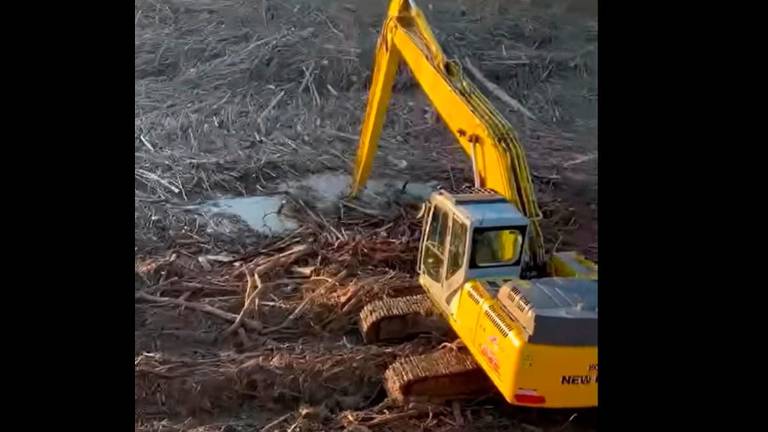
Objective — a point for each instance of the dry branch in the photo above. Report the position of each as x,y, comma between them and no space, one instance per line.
151,176
275,422
321,220
250,297
284,259
369,212
389,418
226,316
270,106
146,143
580,159
358,291
496,90
301,306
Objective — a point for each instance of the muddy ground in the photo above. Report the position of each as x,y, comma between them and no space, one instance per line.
246,117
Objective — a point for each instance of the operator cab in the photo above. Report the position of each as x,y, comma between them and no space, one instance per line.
472,234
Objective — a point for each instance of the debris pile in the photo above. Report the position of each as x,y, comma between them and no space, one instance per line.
311,283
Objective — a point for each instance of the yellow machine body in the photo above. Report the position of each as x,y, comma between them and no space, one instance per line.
524,373
470,299
528,374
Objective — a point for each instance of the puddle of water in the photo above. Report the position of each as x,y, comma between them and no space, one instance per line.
261,212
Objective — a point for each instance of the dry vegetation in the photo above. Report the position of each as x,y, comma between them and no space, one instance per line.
235,330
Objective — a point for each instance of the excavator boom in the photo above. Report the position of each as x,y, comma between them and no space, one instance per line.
532,338
498,159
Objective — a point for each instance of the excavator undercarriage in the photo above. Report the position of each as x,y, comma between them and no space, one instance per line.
447,374
397,319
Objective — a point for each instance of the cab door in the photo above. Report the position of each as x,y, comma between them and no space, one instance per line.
442,265
433,251
456,262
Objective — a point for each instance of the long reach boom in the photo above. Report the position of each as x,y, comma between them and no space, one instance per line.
498,159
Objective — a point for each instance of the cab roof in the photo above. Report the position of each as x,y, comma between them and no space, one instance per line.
483,207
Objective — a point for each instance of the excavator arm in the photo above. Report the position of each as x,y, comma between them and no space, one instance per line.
498,159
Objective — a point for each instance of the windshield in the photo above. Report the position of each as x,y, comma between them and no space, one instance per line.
496,246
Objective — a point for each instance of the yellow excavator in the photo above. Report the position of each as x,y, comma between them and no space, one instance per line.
527,323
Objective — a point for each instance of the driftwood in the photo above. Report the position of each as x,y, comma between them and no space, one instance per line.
251,296
389,418
226,316
283,259
269,426
303,304
496,90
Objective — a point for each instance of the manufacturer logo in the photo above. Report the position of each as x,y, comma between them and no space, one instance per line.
589,378
489,350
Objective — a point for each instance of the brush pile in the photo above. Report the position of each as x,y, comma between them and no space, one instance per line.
227,94
311,283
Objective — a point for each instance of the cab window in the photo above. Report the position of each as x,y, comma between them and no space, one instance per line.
496,247
434,247
456,247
